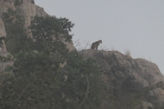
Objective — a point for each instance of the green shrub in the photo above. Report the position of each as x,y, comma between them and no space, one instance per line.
38,81
51,27
18,2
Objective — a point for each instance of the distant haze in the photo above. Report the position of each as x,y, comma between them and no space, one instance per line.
134,25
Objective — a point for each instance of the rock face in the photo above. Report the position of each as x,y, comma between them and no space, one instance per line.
27,10
129,81
2,28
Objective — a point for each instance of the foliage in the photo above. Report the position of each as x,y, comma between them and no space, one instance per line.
85,81
51,27
38,81
37,84
18,2
6,58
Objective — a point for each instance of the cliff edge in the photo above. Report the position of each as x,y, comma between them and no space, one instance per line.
41,69
127,78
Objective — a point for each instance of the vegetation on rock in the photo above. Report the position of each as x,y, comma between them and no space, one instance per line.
46,75
37,80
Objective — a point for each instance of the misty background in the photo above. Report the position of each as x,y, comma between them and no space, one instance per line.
134,25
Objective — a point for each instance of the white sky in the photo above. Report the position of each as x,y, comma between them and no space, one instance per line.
134,25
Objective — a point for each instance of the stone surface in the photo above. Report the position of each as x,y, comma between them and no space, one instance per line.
2,28
129,77
28,10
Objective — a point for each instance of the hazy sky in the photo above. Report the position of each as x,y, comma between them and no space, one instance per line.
134,25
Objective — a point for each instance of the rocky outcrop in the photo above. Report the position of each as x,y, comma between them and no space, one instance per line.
129,83
125,77
30,10
27,9
2,28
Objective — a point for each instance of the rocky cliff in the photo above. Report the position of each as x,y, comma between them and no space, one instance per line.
26,8
127,78
41,69
21,13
